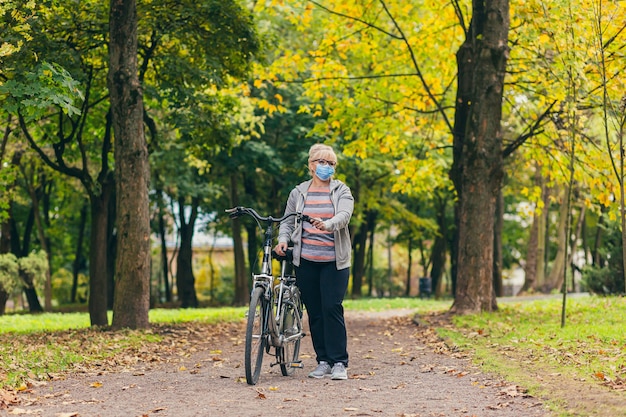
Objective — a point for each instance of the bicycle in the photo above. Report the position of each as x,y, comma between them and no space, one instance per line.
274,317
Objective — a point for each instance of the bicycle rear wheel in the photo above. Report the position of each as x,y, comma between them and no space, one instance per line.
288,354
256,339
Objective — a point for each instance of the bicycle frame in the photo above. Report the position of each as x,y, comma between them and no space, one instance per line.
274,317
273,294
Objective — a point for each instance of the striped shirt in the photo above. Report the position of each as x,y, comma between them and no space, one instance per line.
318,245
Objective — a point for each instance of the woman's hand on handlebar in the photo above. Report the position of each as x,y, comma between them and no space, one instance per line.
281,248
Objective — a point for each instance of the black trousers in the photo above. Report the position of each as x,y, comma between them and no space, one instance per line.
323,289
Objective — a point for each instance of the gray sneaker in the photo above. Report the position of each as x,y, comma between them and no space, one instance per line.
339,371
323,369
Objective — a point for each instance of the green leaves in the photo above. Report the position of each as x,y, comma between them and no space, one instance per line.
35,265
35,93
9,278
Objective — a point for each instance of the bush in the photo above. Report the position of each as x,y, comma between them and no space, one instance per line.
9,273
62,282
603,281
608,277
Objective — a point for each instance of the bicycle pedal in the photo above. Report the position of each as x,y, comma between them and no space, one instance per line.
297,364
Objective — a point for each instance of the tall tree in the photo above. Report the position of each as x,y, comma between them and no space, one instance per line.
132,172
477,169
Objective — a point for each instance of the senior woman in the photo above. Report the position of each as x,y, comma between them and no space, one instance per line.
322,254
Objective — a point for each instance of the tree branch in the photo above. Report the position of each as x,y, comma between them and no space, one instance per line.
418,69
59,165
519,141
356,19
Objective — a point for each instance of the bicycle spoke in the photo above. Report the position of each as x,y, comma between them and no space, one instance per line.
288,354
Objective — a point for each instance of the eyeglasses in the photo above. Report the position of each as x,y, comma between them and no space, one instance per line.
325,162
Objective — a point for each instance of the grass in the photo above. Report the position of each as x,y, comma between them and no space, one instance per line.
525,343
51,322
592,344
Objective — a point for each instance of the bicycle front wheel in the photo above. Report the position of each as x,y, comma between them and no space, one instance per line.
256,339
288,354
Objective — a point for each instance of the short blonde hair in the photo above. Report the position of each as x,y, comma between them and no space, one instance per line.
321,151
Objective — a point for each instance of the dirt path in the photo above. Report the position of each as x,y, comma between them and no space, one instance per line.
394,371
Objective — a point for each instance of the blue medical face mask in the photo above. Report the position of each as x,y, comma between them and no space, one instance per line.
324,172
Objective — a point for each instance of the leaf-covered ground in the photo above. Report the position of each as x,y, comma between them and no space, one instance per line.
397,368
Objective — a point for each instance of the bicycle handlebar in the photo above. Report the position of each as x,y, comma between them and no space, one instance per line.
240,211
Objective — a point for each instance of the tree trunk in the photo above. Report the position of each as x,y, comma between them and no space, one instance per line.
34,306
389,261
438,252
252,231
5,230
407,291
574,244
532,255
185,280
241,288
596,256
555,280
358,265
98,259
371,231
21,250
4,297
164,261
79,257
543,239
111,236
370,263
497,246
253,250
132,172
5,247
438,255
43,241
477,149
454,248
530,267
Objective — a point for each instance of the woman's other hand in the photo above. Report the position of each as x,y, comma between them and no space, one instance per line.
318,224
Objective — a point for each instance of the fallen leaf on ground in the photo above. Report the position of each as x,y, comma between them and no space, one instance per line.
513,391
7,398
498,406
